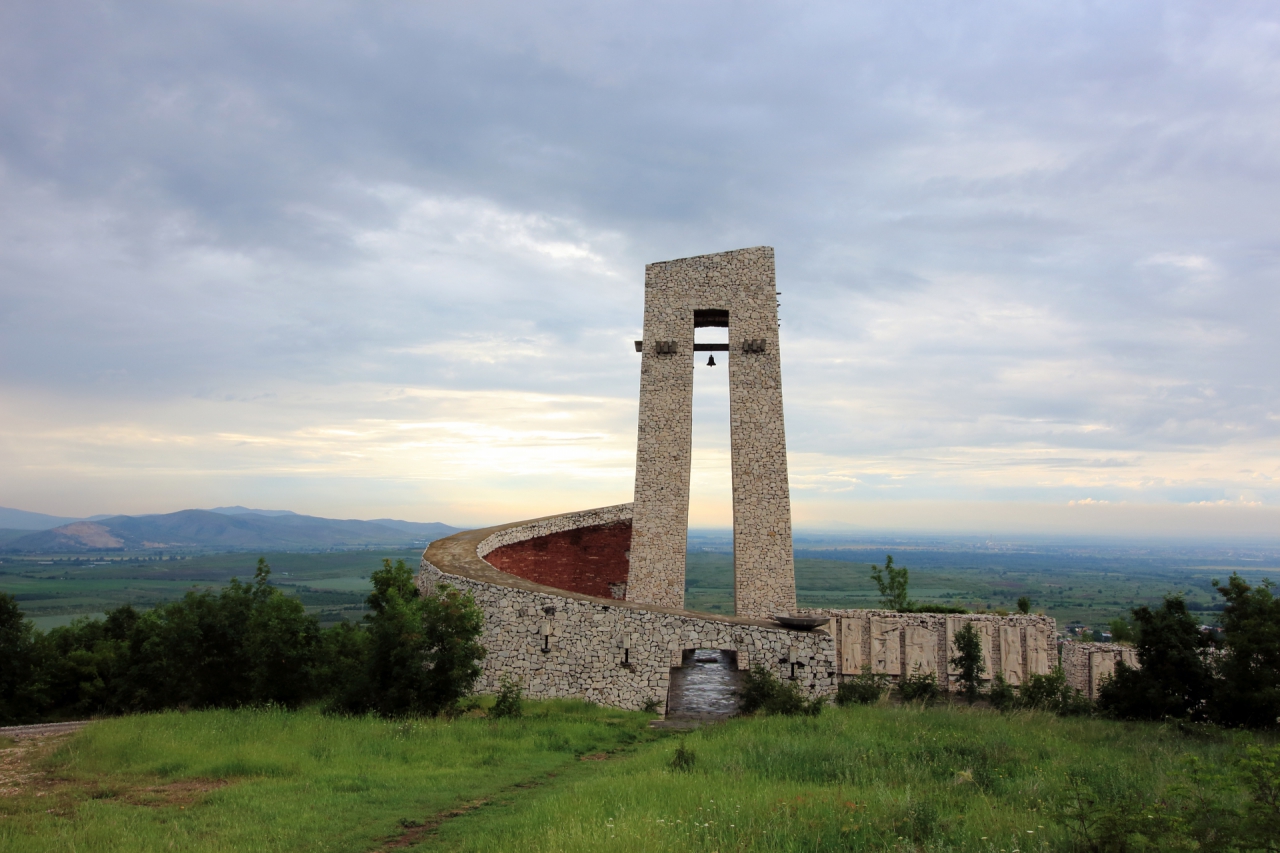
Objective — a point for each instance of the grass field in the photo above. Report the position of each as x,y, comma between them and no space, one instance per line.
275,780
571,777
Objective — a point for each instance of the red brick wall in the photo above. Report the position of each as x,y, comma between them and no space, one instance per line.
585,560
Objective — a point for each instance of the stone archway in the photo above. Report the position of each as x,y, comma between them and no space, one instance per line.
702,687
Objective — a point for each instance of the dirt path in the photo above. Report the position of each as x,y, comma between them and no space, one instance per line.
26,786
416,833
42,729
18,774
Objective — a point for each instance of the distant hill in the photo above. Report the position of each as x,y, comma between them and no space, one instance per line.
18,519
243,510
206,530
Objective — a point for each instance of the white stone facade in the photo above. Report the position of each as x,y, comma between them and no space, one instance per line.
736,289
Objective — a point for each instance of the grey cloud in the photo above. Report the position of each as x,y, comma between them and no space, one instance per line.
190,190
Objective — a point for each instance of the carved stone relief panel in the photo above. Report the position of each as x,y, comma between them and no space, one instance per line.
954,624
922,650
1011,654
886,653
1102,665
1038,645
851,646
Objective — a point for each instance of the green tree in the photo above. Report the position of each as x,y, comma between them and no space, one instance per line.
1024,604
280,644
968,659
342,667
1123,630
246,644
424,651
892,582
1174,679
22,694
1248,689
85,663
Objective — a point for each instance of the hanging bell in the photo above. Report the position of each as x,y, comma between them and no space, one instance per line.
711,361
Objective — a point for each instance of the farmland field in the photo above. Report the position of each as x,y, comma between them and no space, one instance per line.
54,590
1092,588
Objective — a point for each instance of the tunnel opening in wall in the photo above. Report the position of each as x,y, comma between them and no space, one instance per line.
705,685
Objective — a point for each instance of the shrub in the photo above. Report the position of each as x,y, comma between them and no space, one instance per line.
762,691
1260,769
919,686
508,704
1024,604
1232,806
1050,692
865,688
684,758
1001,695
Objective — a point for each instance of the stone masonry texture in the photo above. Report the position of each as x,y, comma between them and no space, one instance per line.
740,287
563,643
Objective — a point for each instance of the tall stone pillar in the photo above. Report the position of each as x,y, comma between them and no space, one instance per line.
737,290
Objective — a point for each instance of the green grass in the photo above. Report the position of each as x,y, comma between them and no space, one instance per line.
875,778
297,781
864,778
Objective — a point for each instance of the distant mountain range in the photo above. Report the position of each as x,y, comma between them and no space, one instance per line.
220,529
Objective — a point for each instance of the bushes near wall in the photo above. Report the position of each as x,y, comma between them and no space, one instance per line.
246,644
1231,677
763,692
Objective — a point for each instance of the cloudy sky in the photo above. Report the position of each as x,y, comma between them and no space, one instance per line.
366,259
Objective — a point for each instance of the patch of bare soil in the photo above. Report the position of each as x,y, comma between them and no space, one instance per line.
27,786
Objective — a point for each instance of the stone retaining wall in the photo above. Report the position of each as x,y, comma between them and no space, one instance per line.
1088,664
897,644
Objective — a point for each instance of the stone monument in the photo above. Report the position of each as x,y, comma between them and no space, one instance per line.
734,290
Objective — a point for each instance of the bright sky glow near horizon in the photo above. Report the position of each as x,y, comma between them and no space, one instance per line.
365,260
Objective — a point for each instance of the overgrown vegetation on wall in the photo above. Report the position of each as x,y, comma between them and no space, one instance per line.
246,644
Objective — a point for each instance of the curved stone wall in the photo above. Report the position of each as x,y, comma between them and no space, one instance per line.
590,560
561,643
572,643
